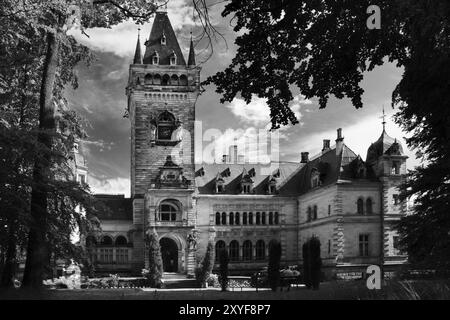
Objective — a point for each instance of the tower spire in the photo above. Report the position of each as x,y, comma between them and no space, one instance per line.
137,55
191,58
384,120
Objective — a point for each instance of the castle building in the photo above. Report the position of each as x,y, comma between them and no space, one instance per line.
350,204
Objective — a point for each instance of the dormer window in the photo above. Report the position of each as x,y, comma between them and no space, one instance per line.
246,188
315,178
155,58
173,59
163,39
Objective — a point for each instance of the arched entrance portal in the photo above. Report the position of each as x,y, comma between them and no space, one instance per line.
169,252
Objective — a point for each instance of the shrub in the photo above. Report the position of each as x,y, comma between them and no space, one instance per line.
155,266
273,269
213,280
312,263
223,269
203,272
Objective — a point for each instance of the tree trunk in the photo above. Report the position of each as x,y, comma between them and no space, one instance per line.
36,248
9,270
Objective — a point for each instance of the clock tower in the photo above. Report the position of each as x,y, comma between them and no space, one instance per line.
162,91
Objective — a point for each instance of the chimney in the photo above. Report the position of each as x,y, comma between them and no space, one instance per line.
339,141
304,157
233,154
326,145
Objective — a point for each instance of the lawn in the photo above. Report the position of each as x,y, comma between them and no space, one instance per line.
351,290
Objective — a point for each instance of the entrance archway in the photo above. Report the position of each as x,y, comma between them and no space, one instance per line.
169,252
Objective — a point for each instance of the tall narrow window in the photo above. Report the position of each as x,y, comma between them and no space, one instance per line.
231,218
277,218
315,213
360,205
364,245
236,218
270,218
263,218
224,218
329,209
369,209
329,247
250,218
217,218
258,218
244,218
309,214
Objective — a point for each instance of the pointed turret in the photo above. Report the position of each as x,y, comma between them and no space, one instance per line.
191,58
137,55
164,42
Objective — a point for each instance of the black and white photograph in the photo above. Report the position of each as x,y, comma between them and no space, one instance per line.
242,151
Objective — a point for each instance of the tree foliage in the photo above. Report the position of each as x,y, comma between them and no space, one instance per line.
206,266
223,268
312,263
273,270
155,263
323,48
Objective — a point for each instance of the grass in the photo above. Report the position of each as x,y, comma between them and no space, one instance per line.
352,290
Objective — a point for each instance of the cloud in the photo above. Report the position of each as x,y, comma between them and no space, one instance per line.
109,186
121,38
258,113
100,144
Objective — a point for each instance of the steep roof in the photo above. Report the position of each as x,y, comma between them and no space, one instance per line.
232,175
162,27
137,54
381,146
191,58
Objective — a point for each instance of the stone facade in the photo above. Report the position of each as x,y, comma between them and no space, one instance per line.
349,204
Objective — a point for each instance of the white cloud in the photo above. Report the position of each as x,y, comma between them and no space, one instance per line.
258,113
121,39
109,186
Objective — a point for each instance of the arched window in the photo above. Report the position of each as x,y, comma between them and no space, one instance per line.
173,59
270,218
236,218
106,241
220,245
174,80
315,213
260,250
250,218
247,250
169,211
231,218
183,80
369,206
148,79
166,125
309,215
258,218
277,218
217,218
244,218
263,218
121,241
395,168
91,241
163,39
234,250
157,79
224,218
360,205
155,58
165,80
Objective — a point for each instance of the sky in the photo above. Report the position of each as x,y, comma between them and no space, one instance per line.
101,100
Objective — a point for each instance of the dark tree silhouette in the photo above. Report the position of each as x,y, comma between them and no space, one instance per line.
223,269
155,263
273,269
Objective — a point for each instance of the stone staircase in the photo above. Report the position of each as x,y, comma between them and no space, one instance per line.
177,281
